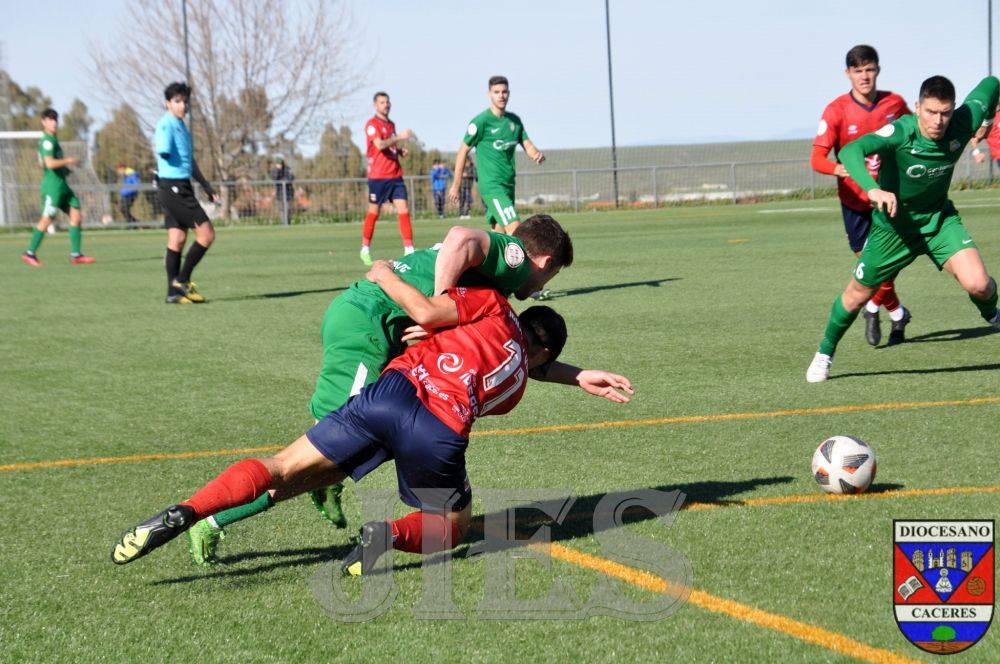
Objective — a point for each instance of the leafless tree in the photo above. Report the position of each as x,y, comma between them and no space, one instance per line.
264,72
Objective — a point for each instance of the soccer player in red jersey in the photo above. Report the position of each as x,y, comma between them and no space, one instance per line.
418,413
862,110
385,175
992,136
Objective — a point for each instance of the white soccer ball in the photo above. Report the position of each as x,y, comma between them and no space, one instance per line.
842,464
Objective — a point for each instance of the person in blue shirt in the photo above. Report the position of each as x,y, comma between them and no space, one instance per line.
128,193
175,166
439,183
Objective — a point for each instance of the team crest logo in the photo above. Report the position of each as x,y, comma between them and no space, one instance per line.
449,363
943,582
513,255
511,125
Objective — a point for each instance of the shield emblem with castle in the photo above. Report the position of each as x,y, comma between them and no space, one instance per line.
943,582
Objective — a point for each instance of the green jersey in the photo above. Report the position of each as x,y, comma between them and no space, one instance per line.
495,139
48,146
916,169
506,268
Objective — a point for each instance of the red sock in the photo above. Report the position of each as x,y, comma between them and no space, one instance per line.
410,532
369,229
241,483
405,230
886,296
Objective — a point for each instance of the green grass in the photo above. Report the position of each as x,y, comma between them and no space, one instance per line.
94,365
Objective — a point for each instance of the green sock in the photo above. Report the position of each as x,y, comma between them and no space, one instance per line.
262,504
74,240
988,307
840,320
36,240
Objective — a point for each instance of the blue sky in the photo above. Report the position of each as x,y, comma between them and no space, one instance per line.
684,72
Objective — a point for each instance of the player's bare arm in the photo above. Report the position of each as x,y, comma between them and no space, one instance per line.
52,163
603,384
438,311
383,143
463,248
463,154
534,154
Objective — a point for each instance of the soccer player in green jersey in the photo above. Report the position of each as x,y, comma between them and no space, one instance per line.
363,329
495,134
913,215
56,194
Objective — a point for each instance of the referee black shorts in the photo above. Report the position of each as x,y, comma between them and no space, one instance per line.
180,208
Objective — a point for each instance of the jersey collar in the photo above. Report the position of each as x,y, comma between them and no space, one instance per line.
878,97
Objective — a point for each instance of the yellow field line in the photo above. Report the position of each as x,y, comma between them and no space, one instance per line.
773,621
583,426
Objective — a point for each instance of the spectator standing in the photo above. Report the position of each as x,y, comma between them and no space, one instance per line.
129,192
439,183
284,191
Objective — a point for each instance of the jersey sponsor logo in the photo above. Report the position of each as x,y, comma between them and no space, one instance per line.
917,171
886,131
513,255
472,129
822,128
501,144
449,363
943,582
371,130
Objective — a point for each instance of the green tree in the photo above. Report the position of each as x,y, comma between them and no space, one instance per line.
122,141
338,156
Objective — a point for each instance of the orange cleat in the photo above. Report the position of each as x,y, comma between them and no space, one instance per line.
31,260
81,260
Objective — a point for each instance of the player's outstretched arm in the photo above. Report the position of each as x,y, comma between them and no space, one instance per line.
463,248
603,384
534,154
437,311
981,102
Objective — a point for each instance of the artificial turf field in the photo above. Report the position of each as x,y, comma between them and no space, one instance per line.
710,311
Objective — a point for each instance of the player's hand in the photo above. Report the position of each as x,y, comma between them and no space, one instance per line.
405,135
453,193
539,157
72,161
216,198
883,200
378,270
840,171
606,385
415,333
403,152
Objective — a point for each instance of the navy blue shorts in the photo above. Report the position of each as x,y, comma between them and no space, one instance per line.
387,421
856,224
380,191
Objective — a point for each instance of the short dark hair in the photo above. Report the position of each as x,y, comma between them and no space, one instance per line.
937,87
380,93
177,88
860,55
542,235
548,328
497,80
50,113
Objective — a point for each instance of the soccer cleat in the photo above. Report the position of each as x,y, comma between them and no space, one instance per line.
177,298
995,321
376,539
366,256
409,250
188,290
152,534
31,259
897,334
873,327
819,368
80,259
203,541
544,294
327,501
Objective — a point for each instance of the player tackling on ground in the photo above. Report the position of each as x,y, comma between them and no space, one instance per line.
862,110
175,166
56,194
418,413
913,215
385,175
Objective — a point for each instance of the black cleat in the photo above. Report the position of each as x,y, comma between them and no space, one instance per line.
152,534
897,334
376,539
873,328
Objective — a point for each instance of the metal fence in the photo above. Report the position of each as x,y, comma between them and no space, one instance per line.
538,189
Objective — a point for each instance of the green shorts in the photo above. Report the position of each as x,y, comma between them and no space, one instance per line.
57,196
500,209
887,252
356,348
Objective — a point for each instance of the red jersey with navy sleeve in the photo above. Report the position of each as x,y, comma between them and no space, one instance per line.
382,164
846,119
477,368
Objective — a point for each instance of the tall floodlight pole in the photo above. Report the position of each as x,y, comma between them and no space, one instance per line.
611,98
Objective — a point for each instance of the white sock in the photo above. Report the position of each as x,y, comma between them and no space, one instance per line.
212,522
871,308
897,314
365,248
